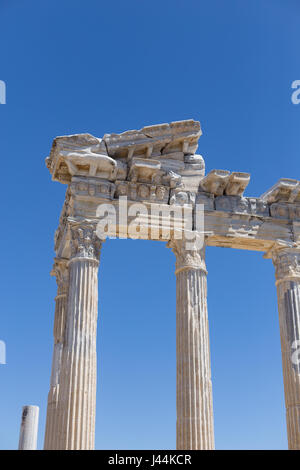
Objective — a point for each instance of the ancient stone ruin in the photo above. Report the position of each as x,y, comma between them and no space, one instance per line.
157,168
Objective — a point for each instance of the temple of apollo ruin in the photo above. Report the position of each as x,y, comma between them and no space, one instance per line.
158,167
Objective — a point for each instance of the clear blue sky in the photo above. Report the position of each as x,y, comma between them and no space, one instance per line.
89,66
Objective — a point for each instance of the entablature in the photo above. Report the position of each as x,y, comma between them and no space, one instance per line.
157,166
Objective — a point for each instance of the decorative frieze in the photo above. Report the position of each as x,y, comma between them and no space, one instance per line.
234,204
87,188
285,211
142,192
182,198
258,208
242,205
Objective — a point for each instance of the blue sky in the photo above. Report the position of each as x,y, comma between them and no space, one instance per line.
98,67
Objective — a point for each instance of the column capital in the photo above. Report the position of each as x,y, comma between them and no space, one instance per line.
188,255
287,263
84,242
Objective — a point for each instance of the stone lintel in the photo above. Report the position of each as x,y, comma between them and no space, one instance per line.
160,221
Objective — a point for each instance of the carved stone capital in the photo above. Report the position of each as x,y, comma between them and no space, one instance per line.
61,272
84,241
187,258
287,264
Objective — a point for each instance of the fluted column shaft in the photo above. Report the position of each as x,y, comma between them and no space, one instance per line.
60,270
79,361
287,264
195,428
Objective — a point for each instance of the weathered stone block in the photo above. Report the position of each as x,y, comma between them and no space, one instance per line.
207,199
234,204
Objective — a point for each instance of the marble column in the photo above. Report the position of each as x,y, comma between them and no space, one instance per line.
60,270
287,270
29,428
195,428
79,367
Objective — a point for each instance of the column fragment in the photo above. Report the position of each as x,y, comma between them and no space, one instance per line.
29,428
